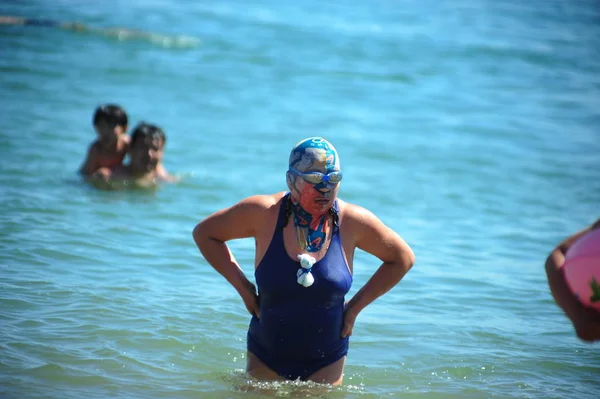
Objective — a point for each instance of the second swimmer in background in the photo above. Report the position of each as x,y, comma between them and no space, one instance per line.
145,167
112,143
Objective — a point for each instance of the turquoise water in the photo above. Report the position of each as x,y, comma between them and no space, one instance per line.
470,127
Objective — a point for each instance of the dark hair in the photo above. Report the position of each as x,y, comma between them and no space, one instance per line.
112,114
144,129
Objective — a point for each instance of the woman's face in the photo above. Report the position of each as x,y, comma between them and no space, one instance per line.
313,155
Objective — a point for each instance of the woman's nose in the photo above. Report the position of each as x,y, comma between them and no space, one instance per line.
324,188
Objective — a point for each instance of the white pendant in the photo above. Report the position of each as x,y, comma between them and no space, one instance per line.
306,261
304,276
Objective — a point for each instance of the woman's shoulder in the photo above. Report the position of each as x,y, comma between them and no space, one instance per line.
353,215
352,210
263,201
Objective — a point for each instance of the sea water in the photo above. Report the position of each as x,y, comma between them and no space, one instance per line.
468,127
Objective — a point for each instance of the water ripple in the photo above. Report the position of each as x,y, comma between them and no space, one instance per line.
472,133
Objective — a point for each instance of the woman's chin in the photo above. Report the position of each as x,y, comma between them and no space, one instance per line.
319,206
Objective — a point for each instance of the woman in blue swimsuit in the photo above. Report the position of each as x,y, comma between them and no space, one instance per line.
305,242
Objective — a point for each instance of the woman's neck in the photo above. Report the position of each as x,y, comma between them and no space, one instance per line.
311,229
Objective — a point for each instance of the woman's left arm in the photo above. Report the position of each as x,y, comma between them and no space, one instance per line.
373,236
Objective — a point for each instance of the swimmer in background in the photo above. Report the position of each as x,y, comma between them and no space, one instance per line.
112,144
585,320
145,168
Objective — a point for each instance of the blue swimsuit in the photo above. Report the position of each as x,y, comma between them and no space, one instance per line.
299,329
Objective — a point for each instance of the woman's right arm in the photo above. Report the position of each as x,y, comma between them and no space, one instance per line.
241,220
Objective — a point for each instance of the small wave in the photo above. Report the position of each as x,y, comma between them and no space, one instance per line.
166,41
121,34
241,382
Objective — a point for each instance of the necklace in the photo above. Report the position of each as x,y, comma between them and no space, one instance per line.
310,235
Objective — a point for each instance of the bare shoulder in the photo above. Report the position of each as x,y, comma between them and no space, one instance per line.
257,210
370,234
246,218
261,202
356,215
